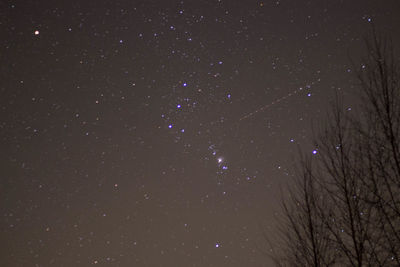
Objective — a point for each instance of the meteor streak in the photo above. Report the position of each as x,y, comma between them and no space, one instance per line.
270,104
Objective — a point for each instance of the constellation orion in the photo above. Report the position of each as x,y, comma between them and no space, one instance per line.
223,164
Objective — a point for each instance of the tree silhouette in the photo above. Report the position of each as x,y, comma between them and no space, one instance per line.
344,207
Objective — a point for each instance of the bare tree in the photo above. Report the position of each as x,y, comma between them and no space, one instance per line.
379,129
302,239
344,208
348,216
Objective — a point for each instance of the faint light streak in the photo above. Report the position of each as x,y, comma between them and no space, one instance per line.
271,104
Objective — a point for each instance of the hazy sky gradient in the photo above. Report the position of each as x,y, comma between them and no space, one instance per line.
128,129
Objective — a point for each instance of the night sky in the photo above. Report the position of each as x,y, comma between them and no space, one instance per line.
159,133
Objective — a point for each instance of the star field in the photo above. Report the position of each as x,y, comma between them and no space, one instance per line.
159,133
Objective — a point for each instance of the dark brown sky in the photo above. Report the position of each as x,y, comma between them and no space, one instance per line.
158,133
